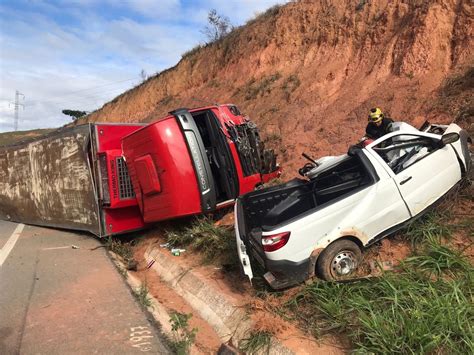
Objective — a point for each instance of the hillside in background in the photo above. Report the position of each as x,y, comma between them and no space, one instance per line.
14,137
308,72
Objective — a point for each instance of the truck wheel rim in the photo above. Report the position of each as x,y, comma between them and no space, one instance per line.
343,263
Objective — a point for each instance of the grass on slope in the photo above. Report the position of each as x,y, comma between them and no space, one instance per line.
426,307
211,241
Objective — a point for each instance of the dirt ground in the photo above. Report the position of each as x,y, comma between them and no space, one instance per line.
207,340
235,286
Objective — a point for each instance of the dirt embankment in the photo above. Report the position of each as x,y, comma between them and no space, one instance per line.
308,72
14,137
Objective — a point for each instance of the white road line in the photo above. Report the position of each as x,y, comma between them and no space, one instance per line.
7,248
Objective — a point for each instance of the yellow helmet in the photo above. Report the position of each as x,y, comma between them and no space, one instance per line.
375,115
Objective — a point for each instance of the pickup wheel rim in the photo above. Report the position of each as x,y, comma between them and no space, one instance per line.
343,264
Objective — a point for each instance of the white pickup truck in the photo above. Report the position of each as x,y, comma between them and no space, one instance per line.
319,225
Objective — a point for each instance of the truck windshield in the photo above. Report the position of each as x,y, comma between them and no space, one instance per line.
255,159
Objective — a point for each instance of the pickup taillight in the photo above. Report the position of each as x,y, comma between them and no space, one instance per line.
275,241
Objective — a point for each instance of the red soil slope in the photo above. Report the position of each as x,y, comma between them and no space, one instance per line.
308,72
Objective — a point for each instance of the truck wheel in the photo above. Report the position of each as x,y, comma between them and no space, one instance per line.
339,260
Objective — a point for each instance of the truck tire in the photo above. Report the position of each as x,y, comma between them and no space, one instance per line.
338,261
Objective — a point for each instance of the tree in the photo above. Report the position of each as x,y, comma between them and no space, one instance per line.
74,114
218,26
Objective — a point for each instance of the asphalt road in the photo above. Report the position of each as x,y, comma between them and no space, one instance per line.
55,299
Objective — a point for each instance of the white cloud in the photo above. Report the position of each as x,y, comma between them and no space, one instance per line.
154,8
69,55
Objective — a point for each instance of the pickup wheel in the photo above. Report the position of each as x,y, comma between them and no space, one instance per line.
339,260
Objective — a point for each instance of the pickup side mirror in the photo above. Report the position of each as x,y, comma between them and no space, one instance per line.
448,138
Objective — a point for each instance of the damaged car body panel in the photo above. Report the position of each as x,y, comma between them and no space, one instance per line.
358,199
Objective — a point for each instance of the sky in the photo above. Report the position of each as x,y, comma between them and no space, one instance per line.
80,54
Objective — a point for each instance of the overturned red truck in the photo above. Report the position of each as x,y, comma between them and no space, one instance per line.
115,178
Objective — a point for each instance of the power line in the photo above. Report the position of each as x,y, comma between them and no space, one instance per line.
120,90
68,101
88,89
100,86
33,102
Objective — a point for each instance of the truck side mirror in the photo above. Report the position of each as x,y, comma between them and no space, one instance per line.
448,138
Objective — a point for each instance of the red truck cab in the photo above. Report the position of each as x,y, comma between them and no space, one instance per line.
116,198
195,161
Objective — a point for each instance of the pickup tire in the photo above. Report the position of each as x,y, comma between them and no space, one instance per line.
339,260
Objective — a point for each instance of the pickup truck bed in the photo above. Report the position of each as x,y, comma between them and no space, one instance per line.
277,205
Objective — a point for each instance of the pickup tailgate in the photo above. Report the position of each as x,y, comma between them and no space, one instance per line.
261,210
240,240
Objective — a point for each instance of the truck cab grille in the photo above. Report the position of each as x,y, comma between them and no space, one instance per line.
125,184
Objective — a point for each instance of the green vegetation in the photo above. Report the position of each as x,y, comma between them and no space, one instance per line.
141,295
256,341
425,307
433,225
254,89
166,100
75,114
122,271
122,249
214,83
18,136
202,235
192,51
218,26
183,337
455,97
272,12
272,138
360,5
459,83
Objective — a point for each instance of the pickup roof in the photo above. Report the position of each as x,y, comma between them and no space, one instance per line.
318,225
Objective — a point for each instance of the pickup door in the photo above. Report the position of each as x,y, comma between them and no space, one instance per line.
422,170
